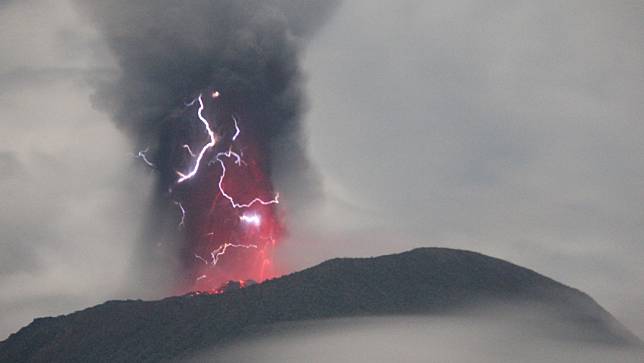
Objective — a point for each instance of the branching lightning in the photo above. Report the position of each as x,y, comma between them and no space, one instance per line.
234,204
221,251
212,106
215,254
208,146
249,218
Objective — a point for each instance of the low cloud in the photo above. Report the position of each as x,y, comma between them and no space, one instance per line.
489,337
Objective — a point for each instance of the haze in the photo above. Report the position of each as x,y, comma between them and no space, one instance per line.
493,337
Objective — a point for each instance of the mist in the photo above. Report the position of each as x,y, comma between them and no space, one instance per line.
512,335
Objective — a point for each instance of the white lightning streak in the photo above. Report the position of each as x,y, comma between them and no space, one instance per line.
237,131
230,154
251,219
215,254
201,259
183,213
141,155
208,146
187,147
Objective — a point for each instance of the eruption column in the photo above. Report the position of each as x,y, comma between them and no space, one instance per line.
251,51
244,179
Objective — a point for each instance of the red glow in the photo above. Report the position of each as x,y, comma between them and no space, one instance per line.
226,243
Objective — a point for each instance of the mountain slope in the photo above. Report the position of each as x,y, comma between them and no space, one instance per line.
427,280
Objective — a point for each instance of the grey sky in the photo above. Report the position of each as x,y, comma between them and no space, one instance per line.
71,194
509,128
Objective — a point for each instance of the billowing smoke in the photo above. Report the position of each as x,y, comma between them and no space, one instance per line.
234,64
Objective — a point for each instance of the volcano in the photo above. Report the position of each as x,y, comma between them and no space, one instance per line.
427,281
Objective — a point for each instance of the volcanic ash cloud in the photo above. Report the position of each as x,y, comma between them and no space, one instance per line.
210,94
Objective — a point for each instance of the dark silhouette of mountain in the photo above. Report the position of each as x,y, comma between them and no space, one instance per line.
423,281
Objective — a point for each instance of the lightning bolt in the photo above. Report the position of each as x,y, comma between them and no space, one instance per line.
217,253
183,213
187,147
198,156
230,154
142,155
251,219
205,148
238,159
201,259
237,131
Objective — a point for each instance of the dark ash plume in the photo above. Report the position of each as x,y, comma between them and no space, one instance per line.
169,51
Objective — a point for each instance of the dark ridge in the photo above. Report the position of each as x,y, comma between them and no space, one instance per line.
425,281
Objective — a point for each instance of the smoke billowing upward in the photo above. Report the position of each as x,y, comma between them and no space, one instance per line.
234,64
